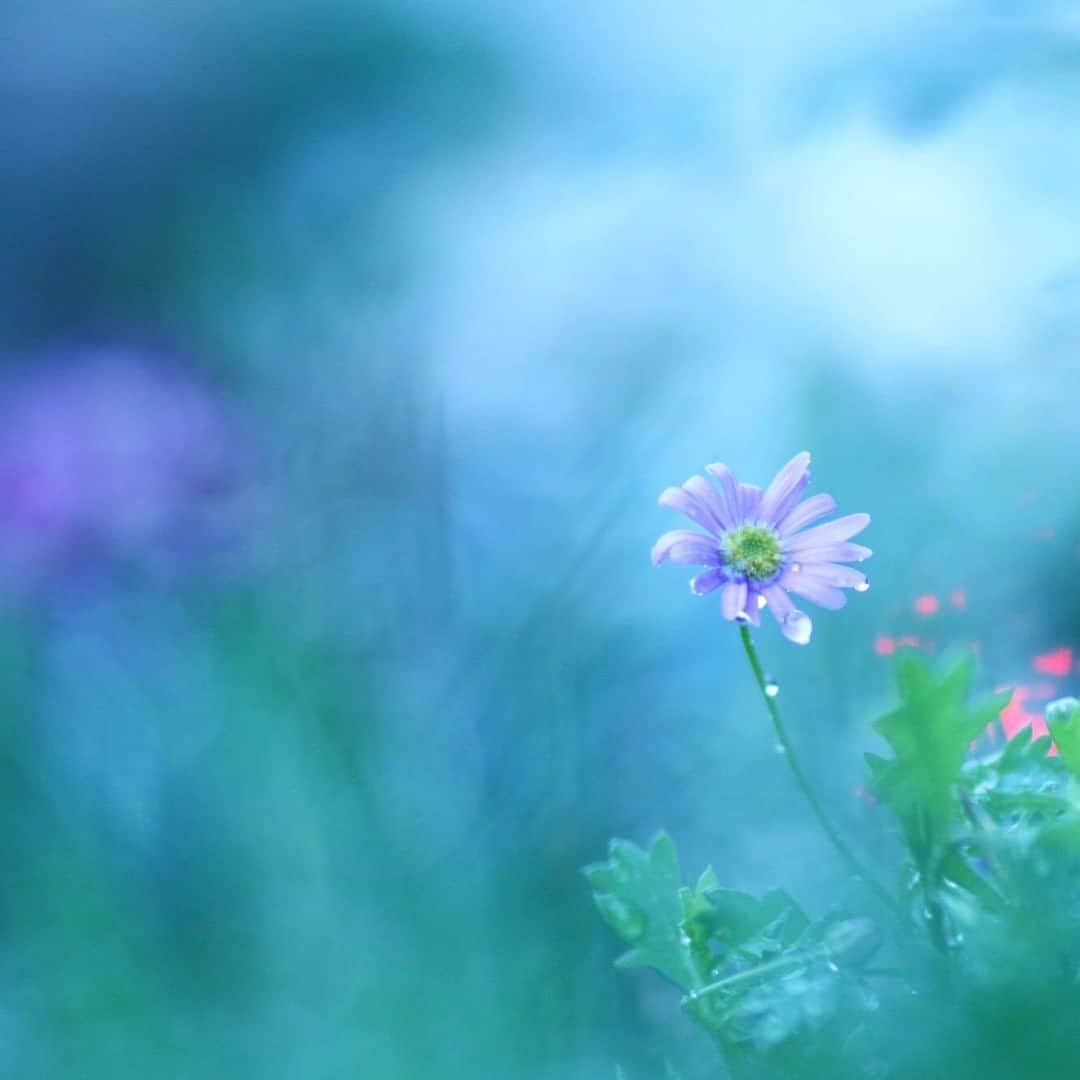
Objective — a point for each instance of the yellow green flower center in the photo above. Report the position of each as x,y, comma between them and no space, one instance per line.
752,550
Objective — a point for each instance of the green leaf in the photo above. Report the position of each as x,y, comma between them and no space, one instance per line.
697,919
786,980
1063,720
639,894
1018,781
741,922
929,733
757,974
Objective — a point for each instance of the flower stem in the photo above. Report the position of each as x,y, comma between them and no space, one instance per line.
845,853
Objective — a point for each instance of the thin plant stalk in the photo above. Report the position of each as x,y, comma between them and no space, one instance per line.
845,853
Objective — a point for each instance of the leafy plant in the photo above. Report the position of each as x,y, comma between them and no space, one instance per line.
984,953
756,973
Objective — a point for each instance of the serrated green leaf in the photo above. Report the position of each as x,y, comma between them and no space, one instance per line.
929,733
756,972
1063,720
785,998
745,922
1018,781
697,918
638,893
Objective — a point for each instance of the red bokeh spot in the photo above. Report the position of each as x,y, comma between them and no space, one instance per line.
1058,662
884,645
927,604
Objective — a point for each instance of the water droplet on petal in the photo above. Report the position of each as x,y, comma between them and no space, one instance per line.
795,567
798,627
772,688
761,601
863,586
742,618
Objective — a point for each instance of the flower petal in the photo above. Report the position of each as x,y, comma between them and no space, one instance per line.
785,489
779,602
749,502
821,594
808,510
753,607
842,577
832,532
707,581
833,553
733,599
678,498
795,624
709,497
687,547
729,490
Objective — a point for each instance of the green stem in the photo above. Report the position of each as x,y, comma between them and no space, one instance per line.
751,974
845,853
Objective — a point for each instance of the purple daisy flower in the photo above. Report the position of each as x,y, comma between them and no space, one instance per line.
758,548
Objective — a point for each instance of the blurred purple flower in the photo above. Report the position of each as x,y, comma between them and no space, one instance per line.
758,548
107,451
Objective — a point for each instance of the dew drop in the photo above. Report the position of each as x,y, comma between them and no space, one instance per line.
863,586
798,627
780,749
772,688
761,601
742,618
795,567
832,965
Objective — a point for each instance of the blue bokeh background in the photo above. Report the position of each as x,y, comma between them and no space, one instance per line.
345,349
